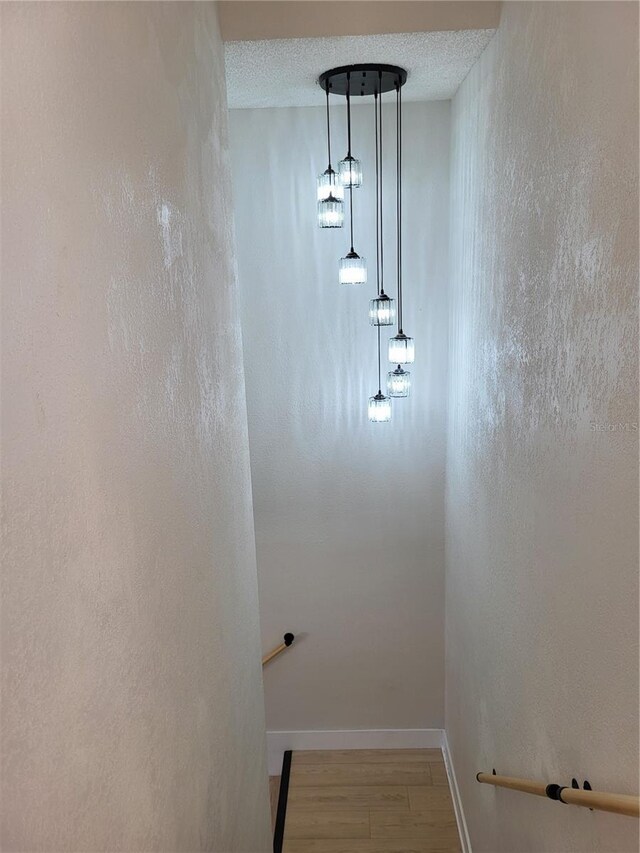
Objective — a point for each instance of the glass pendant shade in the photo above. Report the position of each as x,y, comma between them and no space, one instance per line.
401,349
353,269
379,409
331,212
329,184
398,382
350,172
382,311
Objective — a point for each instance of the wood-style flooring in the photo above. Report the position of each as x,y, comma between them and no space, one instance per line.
274,792
370,801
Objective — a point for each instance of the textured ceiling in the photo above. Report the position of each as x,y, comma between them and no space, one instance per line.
284,72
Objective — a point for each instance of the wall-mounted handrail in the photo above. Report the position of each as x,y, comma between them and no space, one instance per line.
618,803
288,639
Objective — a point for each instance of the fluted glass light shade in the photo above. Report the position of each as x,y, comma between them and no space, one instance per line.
398,382
329,184
379,409
350,172
382,311
353,269
331,212
401,349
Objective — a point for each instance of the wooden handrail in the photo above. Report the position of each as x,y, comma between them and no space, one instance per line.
625,804
288,639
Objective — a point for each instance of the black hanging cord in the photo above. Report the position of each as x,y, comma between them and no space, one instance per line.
349,156
348,114
328,129
399,197
375,112
381,208
379,250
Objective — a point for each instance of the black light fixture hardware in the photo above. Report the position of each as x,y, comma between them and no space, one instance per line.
368,78
360,81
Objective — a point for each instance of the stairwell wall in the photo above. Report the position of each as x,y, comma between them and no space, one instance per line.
132,708
349,515
542,453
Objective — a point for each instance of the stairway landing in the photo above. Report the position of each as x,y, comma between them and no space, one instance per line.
370,801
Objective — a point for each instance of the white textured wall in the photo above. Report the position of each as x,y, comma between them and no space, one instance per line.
542,510
132,710
349,515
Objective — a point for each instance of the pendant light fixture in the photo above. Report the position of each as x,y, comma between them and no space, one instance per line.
349,169
401,347
379,409
330,190
350,172
353,268
379,406
398,382
382,310
328,184
360,81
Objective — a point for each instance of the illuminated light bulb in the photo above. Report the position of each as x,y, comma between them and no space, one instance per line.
329,184
382,311
353,269
331,212
350,172
379,409
398,382
401,349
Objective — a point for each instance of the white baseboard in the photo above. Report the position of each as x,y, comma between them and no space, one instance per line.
463,832
278,742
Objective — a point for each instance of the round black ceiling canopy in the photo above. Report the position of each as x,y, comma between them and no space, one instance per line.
362,79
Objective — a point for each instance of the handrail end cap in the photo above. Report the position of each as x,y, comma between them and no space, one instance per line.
554,792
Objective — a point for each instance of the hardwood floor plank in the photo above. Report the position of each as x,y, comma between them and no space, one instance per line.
339,824
418,773
369,845
429,797
274,791
330,798
436,826
366,756
439,774
370,801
